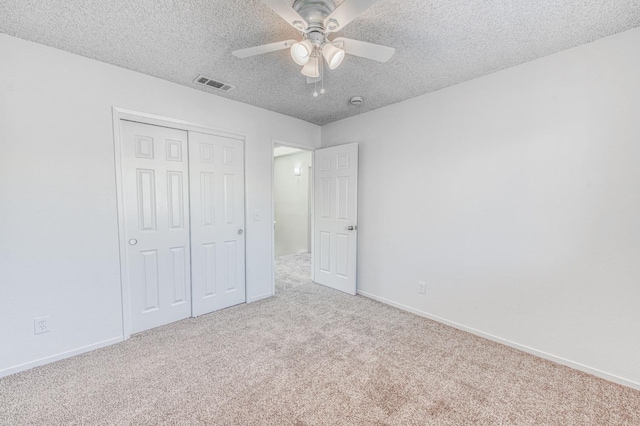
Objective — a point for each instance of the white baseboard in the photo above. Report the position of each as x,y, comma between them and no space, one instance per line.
259,297
523,348
57,357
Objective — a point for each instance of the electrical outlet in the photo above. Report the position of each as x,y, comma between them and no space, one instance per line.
422,287
41,325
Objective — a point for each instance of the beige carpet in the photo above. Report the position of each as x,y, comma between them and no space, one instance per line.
311,356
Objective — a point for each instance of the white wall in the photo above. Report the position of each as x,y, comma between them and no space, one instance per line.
58,223
291,203
516,197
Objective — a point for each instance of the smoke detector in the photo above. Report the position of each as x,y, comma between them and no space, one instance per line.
356,100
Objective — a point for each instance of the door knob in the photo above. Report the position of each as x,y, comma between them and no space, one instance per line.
240,231
350,228
133,242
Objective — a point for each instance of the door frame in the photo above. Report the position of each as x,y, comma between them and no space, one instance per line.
275,143
155,120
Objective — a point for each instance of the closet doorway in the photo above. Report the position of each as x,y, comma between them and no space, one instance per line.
181,219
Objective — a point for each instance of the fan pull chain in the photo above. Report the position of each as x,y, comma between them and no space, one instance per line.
315,88
315,81
322,75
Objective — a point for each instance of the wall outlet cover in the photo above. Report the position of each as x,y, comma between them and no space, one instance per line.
41,325
422,287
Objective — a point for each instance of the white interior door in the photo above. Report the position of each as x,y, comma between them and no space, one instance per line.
336,217
217,222
156,201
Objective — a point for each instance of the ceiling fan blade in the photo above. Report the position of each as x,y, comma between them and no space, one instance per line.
286,12
346,12
265,48
365,50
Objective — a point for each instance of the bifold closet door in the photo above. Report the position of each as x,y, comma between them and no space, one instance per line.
216,173
155,178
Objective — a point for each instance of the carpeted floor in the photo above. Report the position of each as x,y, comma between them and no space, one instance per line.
311,356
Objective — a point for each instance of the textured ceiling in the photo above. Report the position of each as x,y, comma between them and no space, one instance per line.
438,43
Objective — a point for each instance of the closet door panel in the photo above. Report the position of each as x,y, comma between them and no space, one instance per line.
155,173
217,222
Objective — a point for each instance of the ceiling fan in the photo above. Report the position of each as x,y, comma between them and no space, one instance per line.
316,19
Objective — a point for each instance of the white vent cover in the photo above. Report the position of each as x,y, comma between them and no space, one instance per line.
213,84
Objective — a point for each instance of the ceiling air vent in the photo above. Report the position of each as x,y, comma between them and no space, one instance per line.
213,84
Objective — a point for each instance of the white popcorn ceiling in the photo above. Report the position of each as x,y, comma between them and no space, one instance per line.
438,43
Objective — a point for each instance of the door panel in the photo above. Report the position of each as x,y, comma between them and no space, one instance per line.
336,183
217,222
155,194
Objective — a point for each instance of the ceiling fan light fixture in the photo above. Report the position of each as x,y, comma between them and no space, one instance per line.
332,25
333,55
301,51
311,69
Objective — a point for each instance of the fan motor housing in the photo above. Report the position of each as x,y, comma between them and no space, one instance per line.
314,11
317,37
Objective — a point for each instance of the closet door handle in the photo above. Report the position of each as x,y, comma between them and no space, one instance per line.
240,231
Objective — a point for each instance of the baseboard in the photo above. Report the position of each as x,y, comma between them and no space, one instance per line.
57,357
563,361
259,297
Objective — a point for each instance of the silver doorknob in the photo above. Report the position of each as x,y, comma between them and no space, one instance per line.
240,231
133,242
350,228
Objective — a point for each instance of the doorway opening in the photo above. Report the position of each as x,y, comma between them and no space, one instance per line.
293,215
